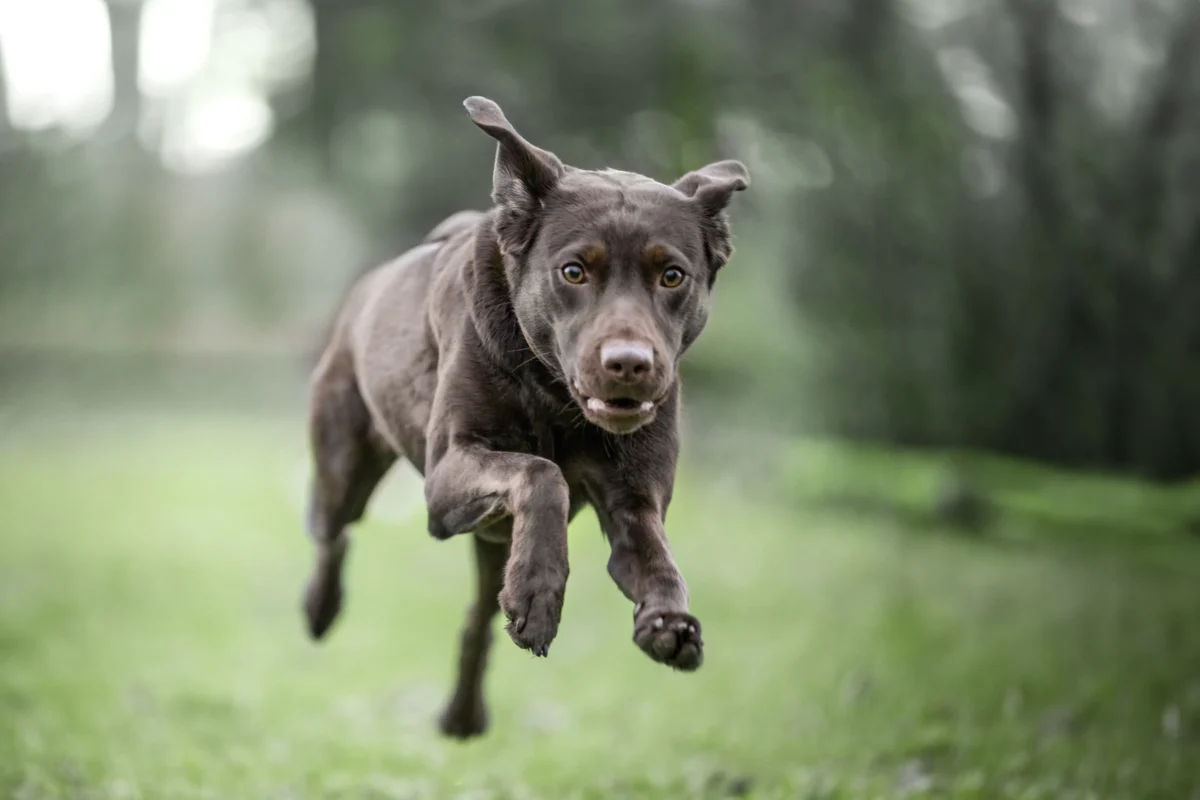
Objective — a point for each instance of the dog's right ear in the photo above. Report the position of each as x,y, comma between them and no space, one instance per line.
523,176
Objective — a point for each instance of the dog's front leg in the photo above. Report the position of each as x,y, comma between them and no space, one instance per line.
643,568
471,486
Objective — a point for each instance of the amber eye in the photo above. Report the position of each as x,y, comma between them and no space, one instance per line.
574,273
672,277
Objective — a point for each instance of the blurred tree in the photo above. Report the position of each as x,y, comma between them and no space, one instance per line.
4,125
125,24
1045,319
988,216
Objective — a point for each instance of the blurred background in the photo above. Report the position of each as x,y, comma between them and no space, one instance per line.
963,303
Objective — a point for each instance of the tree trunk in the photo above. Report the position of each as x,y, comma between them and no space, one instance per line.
125,28
5,129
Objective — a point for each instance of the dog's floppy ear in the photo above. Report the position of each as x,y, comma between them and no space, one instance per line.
711,188
522,177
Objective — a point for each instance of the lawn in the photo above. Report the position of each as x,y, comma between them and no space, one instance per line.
151,644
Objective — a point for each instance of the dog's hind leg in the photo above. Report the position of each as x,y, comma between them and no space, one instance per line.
465,715
349,460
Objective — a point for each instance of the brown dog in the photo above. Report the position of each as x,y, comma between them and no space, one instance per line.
525,361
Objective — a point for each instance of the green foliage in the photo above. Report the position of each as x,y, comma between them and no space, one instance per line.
1042,315
970,226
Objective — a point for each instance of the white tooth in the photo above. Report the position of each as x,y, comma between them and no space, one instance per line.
595,404
646,406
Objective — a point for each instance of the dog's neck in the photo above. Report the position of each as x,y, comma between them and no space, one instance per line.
495,322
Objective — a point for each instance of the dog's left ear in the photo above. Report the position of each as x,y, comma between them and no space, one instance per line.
523,176
711,188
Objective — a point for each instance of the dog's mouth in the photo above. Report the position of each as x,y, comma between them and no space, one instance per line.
616,414
618,405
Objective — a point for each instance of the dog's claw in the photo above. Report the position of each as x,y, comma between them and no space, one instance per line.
533,616
658,623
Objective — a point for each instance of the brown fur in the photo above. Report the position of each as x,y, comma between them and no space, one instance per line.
522,395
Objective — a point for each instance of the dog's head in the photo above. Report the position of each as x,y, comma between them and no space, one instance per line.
609,273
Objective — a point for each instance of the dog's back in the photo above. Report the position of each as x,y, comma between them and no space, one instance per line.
380,351
453,225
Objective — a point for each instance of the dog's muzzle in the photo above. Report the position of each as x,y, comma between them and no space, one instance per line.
621,387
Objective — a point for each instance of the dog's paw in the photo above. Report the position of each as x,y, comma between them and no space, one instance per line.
533,608
463,719
322,603
669,637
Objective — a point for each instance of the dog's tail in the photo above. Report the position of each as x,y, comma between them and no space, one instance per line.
454,224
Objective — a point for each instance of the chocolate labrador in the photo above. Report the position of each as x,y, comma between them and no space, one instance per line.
525,361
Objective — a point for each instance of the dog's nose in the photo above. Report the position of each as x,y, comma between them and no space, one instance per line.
626,360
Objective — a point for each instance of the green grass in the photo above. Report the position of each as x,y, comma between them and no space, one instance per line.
151,644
